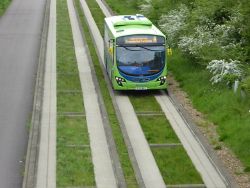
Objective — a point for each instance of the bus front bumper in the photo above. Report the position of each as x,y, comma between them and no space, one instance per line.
152,85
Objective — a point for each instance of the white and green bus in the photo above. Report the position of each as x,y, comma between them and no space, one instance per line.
134,53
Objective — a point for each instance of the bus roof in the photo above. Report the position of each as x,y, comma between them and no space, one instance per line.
130,25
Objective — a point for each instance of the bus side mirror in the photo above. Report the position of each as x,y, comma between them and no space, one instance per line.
169,51
111,50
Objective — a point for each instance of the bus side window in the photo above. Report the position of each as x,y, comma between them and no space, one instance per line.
108,44
106,38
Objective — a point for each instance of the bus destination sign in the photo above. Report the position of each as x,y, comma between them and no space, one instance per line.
136,40
140,39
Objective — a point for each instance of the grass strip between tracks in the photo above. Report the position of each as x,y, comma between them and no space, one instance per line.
3,6
118,137
174,163
74,163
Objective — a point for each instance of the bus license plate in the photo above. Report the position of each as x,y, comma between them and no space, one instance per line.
141,88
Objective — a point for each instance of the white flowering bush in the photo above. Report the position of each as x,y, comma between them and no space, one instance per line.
223,33
193,44
207,39
207,43
210,33
225,71
173,22
146,7
228,33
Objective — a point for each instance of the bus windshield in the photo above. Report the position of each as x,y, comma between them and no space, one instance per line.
140,60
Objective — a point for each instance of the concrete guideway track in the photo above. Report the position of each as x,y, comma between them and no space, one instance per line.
104,173
211,174
20,36
46,172
148,168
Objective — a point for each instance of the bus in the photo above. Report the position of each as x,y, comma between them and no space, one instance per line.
134,53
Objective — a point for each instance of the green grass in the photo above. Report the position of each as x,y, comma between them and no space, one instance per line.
70,102
123,7
175,167
126,7
72,130
156,128
118,138
3,6
220,105
149,102
79,170
74,163
68,81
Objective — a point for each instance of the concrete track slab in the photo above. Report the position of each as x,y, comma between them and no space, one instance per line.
46,174
209,172
104,172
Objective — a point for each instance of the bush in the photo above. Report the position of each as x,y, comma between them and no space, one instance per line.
146,8
205,30
245,86
225,71
173,22
212,41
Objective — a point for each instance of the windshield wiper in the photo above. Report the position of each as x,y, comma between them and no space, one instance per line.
148,48
127,48
153,70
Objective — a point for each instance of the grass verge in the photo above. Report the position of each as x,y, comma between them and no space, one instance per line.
123,7
3,6
74,163
120,144
228,111
156,128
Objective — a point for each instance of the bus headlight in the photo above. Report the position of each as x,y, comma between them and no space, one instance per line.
119,80
162,79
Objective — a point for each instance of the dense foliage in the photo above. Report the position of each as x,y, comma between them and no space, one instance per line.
207,32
